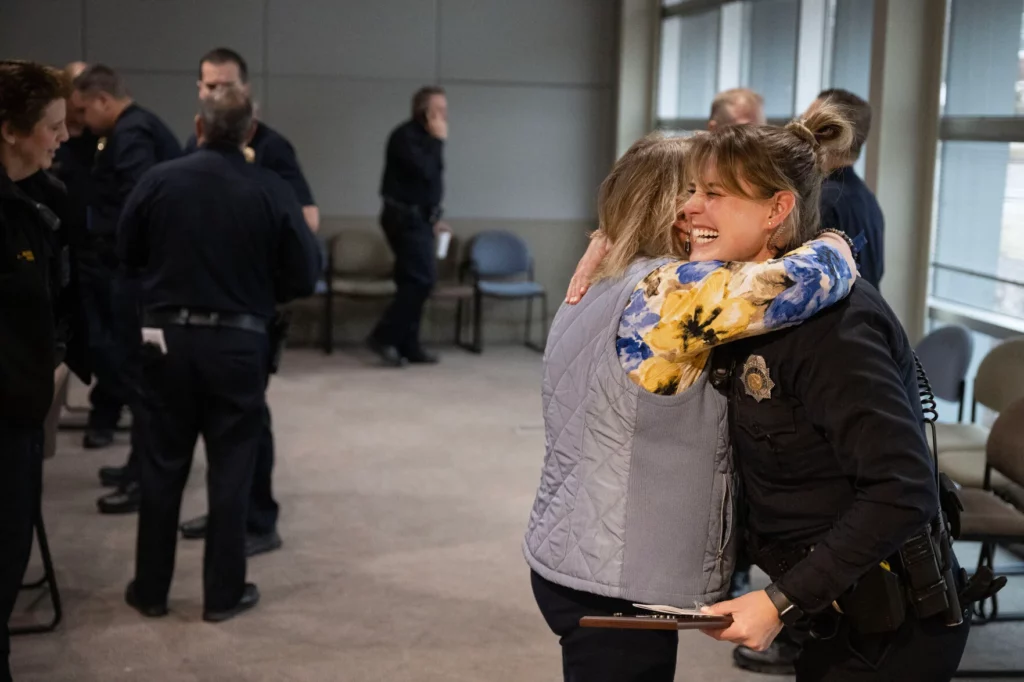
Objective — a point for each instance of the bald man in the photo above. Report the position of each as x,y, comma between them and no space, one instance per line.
73,165
738,106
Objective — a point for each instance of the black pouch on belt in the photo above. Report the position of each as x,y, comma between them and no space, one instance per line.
876,604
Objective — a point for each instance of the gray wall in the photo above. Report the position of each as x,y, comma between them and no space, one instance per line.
530,88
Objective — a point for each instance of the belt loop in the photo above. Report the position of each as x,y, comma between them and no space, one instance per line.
183,316
213,318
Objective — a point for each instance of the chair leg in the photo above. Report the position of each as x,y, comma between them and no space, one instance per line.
539,347
49,578
478,324
529,317
328,321
458,322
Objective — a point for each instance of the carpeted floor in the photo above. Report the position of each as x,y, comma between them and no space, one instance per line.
404,498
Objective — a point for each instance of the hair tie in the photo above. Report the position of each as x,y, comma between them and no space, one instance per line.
804,133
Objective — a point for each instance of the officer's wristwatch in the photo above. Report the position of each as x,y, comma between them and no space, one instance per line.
789,613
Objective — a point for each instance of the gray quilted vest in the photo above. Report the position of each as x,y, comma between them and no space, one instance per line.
636,493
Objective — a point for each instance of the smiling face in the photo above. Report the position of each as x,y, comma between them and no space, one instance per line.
36,149
725,226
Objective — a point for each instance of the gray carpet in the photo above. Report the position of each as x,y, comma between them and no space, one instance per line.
404,498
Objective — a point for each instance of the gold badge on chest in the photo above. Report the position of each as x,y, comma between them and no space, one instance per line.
756,380
250,154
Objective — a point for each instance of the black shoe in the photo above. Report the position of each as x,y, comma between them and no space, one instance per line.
113,477
132,600
777,659
124,500
261,544
740,584
94,439
389,355
420,357
250,598
194,529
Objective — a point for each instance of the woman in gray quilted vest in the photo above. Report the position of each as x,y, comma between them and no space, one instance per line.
635,502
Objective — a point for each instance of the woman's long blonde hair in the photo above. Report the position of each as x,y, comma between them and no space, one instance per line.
640,200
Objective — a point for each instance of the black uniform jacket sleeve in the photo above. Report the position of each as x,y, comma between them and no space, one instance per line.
298,255
279,156
855,391
132,243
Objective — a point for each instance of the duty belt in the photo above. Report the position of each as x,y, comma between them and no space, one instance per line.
428,213
184,317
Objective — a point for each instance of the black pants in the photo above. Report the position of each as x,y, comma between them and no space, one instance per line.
263,509
919,650
411,237
109,394
603,655
21,475
212,383
128,338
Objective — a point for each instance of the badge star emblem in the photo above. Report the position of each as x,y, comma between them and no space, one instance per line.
756,380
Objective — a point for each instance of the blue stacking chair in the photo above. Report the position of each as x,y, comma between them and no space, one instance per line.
499,265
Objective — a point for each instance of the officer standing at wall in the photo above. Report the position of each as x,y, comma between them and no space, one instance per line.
411,190
224,68
135,141
219,242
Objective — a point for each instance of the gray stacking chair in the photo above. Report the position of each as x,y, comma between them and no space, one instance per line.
499,265
946,357
961,451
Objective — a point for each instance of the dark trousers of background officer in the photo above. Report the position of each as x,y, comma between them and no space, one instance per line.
108,394
21,475
263,509
211,383
411,237
918,650
128,338
598,654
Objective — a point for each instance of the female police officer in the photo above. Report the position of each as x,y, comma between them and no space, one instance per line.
32,291
827,431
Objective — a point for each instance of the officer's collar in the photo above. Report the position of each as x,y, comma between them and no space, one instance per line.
224,148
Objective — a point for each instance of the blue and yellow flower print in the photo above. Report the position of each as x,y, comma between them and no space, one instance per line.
682,310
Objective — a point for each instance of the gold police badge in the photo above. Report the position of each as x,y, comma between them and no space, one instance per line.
250,154
756,380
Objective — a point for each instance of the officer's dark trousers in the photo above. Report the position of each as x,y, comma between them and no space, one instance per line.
128,337
21,473
108,394
263,509
211,383
919,650
603,655
411,238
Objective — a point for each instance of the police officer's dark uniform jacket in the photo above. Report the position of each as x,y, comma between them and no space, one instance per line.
829,444
219,243
40,326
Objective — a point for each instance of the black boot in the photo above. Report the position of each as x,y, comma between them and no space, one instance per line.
194,529
94,438
124,500
250,598
777,659
389,355
113,477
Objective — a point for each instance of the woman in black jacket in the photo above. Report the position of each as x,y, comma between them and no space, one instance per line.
34,325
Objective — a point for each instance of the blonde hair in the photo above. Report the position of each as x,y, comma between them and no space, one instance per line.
729,103
755,162
640,200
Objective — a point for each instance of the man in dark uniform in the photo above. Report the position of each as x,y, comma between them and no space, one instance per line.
73,166
846,202
135,141
223,68
412,189
219,242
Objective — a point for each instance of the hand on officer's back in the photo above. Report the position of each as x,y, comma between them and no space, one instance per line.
585,269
